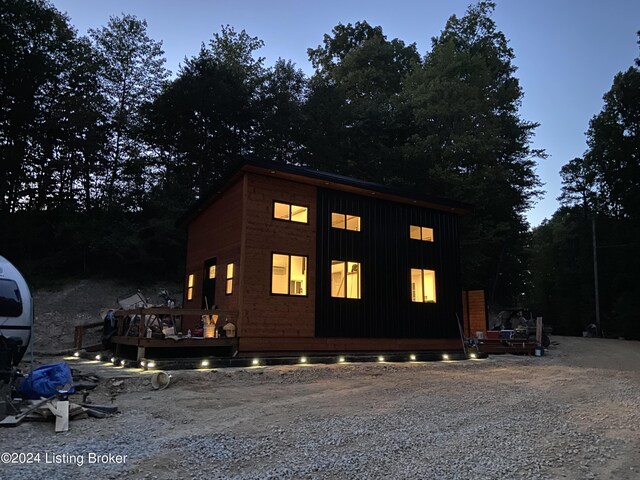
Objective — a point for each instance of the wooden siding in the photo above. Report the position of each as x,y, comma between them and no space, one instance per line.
216,232
475,313
387,254
263,314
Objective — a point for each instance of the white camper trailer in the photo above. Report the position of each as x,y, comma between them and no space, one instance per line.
16,308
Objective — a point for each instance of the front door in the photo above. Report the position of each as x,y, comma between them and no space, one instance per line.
209,284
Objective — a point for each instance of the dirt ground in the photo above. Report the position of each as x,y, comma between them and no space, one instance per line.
58,310
572,414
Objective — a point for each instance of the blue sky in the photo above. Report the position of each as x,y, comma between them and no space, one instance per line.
567,52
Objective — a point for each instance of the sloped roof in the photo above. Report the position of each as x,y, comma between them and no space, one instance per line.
322,179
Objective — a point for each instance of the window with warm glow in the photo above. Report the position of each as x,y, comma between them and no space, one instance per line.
212,272
229,286
345,222
423,285
345,279
288,274
290,213
421,233
190,282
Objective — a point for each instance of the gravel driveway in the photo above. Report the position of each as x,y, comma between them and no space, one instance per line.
574,413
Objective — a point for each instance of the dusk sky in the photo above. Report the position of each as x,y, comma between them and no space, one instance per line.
567,52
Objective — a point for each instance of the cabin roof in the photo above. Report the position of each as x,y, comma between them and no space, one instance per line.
321,179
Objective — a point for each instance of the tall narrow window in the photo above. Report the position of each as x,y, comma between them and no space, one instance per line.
190,282
288,274
290,213
423,286
229,286
421,233
345,222
212,272
345,279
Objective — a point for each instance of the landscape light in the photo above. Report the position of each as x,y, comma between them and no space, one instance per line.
303,359
151,364
381,358
412,357
255,361
76,354
123,363
341,359
98,357
142,363
204,363
445,356
113,360
473,355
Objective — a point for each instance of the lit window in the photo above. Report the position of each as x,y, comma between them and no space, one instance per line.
288,274
421,233
345,279
190,282
229,286
345,222
212,272
423,286
290,213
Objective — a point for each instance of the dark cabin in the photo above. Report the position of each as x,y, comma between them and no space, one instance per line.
311,262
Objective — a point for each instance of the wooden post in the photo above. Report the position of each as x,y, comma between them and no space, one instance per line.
539,330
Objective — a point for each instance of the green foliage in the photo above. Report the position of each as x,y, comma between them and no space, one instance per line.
114,152
605,186
131,75
355,127
468,142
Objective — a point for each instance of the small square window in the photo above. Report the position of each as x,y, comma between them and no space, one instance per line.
338,220
345,222
421,233
290,213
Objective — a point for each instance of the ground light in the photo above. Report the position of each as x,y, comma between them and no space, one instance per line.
142,363
303,359
341,359
123,363
204,363
98,357
412,357
113,360
76,354
381,358
255,362
151,364
445,356
473,355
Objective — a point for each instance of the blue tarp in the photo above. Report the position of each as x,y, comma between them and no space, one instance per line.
47,380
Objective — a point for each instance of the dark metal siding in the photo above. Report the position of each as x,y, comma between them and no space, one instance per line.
387,254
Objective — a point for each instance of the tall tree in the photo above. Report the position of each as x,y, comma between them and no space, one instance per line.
207,116
469,142
281,123
132,74
354,127
34,38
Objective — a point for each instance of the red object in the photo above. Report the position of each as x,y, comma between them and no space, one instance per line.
493,334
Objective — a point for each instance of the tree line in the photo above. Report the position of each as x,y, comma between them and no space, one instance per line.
103,149
601,195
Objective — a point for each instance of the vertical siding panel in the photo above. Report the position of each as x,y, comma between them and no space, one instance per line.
386,254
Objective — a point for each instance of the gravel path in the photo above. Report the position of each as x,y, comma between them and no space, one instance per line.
564,415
